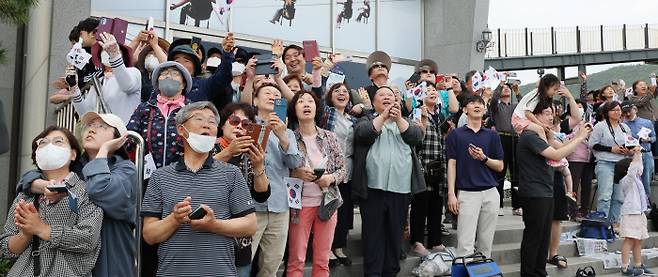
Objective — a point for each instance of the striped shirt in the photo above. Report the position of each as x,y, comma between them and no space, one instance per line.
217,184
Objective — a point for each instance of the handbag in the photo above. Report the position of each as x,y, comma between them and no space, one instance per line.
474,265
435,264
331,201
435,172
587,271
596,226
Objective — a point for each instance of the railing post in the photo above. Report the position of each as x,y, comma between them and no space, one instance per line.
526,41
602,39
646,35
532,52
623,36
499,42
577,39
552,41
505,45
139,164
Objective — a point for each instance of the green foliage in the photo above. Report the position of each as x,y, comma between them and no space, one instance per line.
3,55
628,73
16,11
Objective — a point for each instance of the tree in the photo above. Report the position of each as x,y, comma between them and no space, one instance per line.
14,12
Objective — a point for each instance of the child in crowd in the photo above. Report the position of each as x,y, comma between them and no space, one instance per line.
522,118
633,222
562,166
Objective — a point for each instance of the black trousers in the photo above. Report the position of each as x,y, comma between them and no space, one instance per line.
345,216
427,205
582,175
509,148
383,216
537,218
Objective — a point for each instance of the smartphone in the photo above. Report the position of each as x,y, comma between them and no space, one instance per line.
653,80
414,78
115,26
149,24
260,134
280,108
472,146
439,79
195,43
318,172
59,188
311,50
198,213
264,65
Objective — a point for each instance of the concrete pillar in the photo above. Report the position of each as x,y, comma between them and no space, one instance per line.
451,30
560,73
7,86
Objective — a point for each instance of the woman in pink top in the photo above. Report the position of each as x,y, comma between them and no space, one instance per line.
582,167
320,150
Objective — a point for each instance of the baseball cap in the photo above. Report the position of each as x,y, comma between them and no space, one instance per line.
108,118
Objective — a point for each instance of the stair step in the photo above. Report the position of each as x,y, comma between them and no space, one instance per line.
513,270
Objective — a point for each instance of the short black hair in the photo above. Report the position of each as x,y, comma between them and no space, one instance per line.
88,25
542,105
473,98
607,107
227,111
74,35
469,75
292,46
621,168
292,115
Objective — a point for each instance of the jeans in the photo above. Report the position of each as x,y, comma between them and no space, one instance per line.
609,196
647,173
244,271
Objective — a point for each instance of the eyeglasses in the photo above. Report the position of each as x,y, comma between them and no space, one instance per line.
246,123
378,65
171,73
199,120
57,141
427,72
341,91
96,126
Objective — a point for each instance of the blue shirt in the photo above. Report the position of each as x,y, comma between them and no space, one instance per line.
473,175
636,125
278,164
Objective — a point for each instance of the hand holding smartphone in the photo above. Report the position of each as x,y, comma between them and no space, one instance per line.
280,108
59,188
198,213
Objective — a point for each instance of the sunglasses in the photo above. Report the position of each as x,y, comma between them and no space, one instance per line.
246,123
378,65
427,72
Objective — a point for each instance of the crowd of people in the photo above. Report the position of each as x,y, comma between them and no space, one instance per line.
225,160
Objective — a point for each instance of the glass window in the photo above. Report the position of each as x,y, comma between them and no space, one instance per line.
355,25
400,28
140,9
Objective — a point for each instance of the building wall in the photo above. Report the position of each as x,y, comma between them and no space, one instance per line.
451,29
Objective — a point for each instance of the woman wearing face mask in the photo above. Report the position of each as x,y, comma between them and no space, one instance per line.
155,121
53,238
320,149
121,84
110,179
237,148
149,58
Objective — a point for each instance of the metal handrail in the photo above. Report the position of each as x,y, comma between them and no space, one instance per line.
139,163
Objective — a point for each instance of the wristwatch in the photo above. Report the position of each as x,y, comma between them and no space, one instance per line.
486,159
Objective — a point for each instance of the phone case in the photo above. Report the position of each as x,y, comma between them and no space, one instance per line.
58,188
264,65
260,134
280,108
104,26
311,50
119,30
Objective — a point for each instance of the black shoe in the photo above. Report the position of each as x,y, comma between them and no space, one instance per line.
403,256
344,260
333,263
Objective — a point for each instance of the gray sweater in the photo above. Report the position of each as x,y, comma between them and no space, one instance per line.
110,184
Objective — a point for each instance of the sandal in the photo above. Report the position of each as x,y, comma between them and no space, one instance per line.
559,261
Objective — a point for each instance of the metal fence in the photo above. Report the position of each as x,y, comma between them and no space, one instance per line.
572,40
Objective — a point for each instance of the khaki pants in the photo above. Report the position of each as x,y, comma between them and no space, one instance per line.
478,215
271,238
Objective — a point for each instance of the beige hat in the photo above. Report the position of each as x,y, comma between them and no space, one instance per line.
108,118
378,57
427,64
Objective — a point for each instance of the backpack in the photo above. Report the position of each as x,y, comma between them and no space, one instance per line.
596,226
653,215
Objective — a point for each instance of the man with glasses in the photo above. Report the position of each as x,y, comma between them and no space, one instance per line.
196,206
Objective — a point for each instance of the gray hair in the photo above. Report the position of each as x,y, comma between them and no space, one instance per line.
184,113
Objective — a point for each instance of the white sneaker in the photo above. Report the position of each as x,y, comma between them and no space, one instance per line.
501,212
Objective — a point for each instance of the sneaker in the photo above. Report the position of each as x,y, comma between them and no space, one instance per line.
518,212
419,250
647,272
501,212
631,271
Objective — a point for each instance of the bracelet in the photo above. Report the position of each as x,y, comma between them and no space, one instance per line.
260,173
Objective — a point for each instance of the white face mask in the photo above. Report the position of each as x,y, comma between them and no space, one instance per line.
200,143
51,157
150,63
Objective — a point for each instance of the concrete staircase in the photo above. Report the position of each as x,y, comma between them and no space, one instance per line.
507,242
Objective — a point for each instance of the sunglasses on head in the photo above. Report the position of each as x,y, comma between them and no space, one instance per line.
246,123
